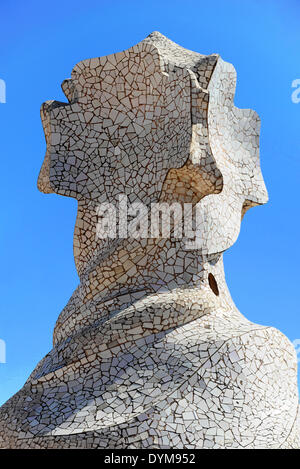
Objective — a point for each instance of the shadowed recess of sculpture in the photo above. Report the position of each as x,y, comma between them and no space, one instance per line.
151,351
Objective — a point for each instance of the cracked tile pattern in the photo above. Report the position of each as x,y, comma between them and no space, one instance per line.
151,351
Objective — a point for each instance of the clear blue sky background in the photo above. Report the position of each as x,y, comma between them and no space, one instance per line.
40,43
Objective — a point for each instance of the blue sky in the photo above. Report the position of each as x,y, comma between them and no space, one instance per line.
40,44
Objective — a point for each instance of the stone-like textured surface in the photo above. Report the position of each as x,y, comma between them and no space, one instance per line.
150,351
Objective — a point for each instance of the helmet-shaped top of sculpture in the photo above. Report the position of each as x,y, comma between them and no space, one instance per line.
135,115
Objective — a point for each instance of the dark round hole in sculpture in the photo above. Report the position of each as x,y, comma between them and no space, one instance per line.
213,284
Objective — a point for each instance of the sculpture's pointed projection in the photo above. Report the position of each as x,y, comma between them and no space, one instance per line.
150,351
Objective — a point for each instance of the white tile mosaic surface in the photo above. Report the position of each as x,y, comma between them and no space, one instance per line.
150,351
